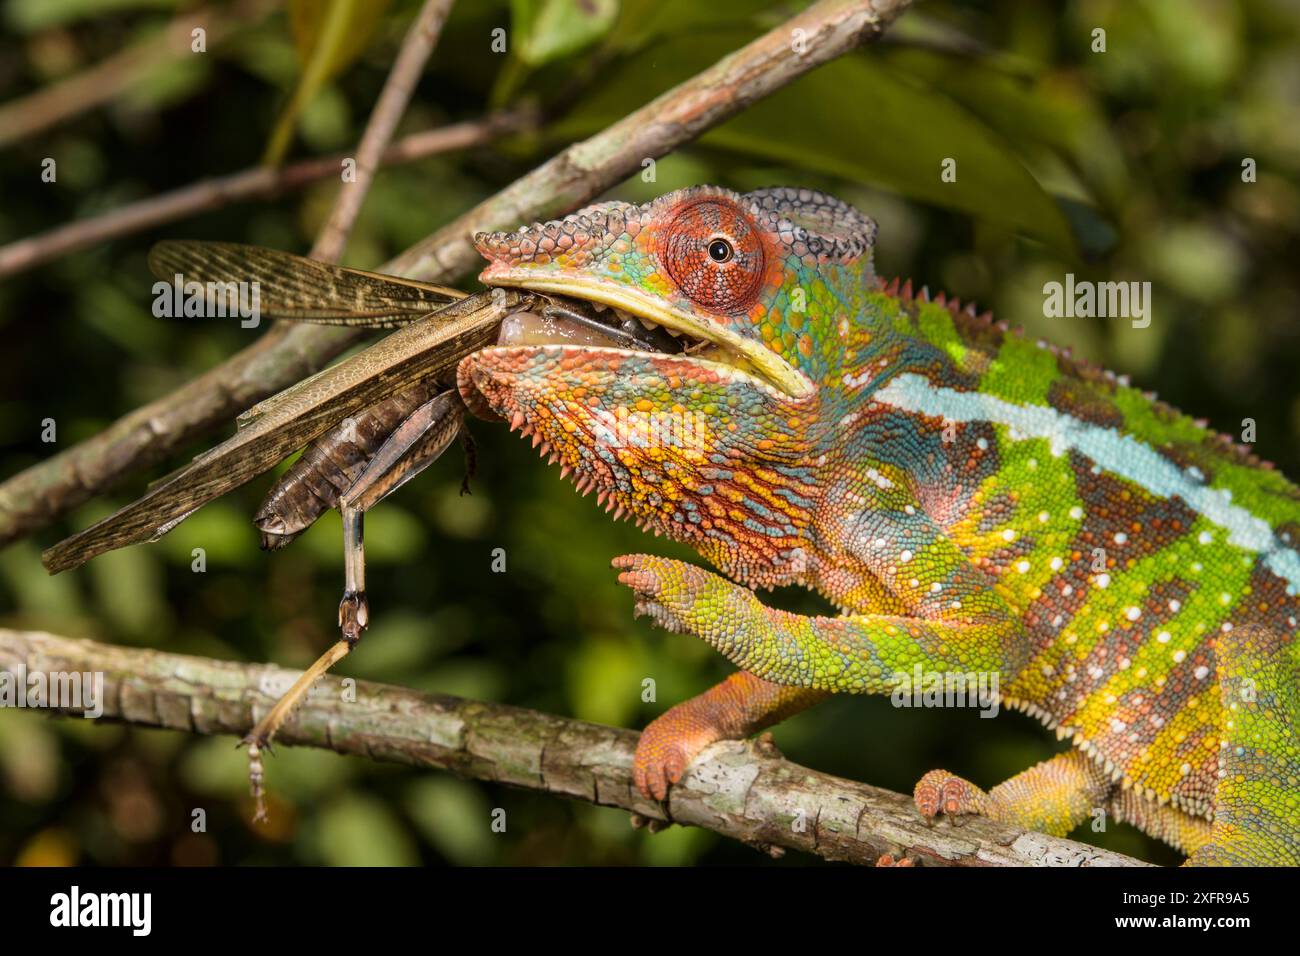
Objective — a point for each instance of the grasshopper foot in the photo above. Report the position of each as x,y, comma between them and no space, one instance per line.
256,775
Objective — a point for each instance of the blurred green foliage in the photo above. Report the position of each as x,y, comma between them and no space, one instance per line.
1123,164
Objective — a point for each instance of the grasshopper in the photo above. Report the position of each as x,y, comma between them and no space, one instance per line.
370,423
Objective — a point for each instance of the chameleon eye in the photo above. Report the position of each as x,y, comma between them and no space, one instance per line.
715,256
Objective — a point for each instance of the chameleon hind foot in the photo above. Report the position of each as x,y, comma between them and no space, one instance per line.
1052,797
940,792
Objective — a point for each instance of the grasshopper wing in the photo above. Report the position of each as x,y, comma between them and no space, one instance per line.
294,417
296,288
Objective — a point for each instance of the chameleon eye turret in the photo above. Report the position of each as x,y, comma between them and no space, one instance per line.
715,256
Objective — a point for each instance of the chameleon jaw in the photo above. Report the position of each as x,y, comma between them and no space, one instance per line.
772,370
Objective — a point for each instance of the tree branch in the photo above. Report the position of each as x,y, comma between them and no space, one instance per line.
111,77
744,791
259,182
581,172
417,45
268,181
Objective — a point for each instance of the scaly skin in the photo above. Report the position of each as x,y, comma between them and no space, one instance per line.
970,500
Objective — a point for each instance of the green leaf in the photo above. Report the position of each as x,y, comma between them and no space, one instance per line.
547,30
856,120
328,36
1034,112
641,21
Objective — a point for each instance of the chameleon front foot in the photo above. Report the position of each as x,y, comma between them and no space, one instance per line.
683,598
672,593
740,706
665,749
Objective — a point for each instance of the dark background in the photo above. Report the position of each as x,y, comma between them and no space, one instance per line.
1124,164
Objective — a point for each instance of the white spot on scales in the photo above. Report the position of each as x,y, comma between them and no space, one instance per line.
1119,454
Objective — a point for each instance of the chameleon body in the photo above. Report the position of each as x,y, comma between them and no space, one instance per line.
972,502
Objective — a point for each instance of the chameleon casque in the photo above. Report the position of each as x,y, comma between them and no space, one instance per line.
971,501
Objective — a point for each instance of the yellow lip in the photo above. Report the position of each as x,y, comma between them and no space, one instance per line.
774,368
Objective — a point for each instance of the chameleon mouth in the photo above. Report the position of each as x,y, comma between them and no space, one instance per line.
594,314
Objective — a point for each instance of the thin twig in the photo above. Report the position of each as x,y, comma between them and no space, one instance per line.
414,54
260,182
745,791
111,77
829,28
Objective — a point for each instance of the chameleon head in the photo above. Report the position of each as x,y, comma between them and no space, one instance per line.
716,439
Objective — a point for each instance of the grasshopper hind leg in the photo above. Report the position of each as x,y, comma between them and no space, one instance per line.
354,612
411,447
